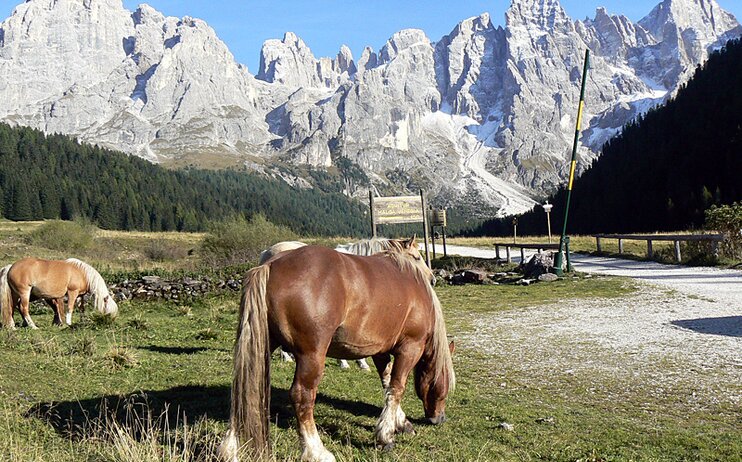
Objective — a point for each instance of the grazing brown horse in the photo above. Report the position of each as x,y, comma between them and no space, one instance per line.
316,302
32,279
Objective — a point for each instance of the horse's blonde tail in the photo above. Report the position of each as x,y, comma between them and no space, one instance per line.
6,299
250,407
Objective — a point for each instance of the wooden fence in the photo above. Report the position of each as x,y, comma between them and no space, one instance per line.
676,238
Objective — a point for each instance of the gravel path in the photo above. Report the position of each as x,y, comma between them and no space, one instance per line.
679,334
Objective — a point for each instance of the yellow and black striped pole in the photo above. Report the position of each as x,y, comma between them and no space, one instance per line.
573,163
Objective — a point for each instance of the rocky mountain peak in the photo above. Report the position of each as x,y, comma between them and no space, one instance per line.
289,62
612,35
145,14
685,30
705,17
401,41
484,117
544,14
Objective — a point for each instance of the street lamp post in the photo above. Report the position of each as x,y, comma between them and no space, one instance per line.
547,209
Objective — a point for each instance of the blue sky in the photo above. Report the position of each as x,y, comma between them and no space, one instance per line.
325,25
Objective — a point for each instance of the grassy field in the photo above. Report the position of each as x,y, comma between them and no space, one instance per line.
123,251
154,384
162,371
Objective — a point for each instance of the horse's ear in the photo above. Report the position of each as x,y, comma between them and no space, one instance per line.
410,243
452,347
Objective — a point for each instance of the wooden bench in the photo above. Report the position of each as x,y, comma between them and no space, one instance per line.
676,238
522,247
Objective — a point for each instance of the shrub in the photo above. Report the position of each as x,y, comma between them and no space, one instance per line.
63,235
119,357
207,334
164,250
236,240
84,345
728,220
101,320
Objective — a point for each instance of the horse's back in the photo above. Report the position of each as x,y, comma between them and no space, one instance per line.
52,277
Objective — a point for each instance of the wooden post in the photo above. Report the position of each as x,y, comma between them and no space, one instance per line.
371,204
649,248
522,255
677,251
620,246
497,251
432,239
597,243
507,254
443,230
425,227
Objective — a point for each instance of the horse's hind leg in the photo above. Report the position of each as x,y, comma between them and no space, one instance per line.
303,394
383,363
57,305
25,301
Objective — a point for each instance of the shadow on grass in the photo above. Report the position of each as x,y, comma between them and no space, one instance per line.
73,419
730,326
174,350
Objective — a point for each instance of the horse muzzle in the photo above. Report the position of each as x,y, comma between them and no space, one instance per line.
437,420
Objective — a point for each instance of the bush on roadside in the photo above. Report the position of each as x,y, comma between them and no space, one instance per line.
727,219
236,240
63,235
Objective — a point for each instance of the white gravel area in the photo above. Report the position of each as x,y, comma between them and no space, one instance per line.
679,334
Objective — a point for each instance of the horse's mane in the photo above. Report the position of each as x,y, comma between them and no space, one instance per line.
439,340
277,248
368,246
96,285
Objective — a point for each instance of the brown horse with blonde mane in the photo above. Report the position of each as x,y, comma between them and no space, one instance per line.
316,302
32,279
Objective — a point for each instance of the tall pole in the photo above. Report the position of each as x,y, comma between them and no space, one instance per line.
425,227
371,207
559,256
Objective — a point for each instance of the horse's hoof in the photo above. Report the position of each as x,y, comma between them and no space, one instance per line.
389,447
408,428
344,364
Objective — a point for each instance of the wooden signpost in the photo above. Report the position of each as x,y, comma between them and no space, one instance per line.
399,209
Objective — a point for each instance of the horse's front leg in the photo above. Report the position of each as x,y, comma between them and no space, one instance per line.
309,369
393,419
71,298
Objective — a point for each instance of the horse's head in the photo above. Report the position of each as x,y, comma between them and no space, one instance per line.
110,306
431,389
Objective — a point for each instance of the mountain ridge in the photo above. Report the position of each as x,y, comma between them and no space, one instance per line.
484,116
